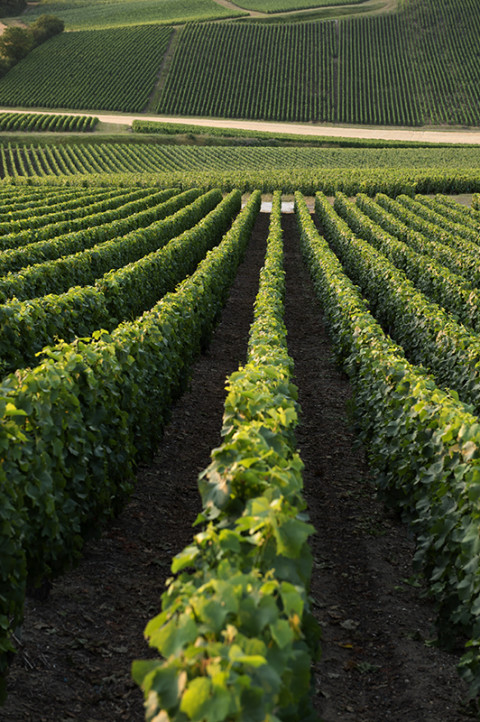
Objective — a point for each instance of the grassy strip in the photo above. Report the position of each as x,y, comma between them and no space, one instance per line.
73,427
269,138
233,630
422,441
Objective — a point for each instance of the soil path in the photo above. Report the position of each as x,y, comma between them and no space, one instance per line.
77,646
423,135
371,6
236,8
375,665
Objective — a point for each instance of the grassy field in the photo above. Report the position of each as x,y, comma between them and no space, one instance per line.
90,14
276,6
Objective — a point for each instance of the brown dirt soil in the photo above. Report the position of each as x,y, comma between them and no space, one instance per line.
77,646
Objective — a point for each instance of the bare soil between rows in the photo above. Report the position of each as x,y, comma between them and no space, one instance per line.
77,646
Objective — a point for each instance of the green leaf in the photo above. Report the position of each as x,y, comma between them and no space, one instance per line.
184,559
291,535
196,698
174,635
282,633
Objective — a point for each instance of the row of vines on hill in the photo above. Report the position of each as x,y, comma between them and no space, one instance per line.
396,170
411,68
276,73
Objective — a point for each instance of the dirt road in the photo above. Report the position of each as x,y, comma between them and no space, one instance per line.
425,135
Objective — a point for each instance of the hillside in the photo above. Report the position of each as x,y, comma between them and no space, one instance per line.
414,67
240,366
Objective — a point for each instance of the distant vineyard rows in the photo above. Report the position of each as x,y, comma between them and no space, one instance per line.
394,170
41,122
418,66
413,68
94,69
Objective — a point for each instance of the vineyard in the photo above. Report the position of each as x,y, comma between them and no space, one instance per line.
101,14
240,371
417,66
87,70
391,69
398,170
132,280
38,122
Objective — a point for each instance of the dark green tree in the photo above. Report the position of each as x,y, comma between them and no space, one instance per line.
15,43
11,7
45,27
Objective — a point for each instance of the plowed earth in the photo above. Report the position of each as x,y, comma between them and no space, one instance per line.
77,646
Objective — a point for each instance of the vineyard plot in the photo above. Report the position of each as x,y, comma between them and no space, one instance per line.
126,546
103,69
418,66
101,14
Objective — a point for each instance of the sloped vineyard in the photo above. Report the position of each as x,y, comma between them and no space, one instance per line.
102,69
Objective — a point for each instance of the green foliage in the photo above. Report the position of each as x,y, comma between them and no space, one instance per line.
97,14
45,27
41,122
233,627
422,440
86,70
15,43
73,426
